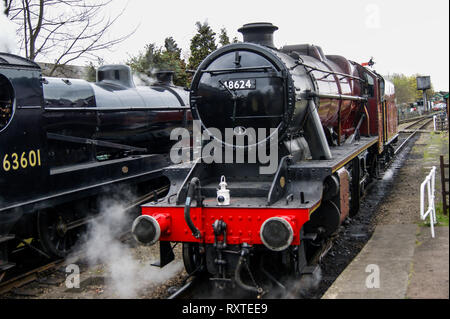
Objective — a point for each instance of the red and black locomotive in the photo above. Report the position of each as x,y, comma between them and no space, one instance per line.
332,123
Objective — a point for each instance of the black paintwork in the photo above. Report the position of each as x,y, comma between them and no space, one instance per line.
269,105
66,120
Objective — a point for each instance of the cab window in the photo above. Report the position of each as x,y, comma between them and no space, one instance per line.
368,85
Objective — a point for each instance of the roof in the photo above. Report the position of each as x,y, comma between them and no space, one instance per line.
15,60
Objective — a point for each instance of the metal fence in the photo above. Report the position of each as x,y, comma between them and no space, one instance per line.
428,185
404,114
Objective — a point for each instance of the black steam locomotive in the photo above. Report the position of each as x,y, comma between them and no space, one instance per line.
329,124
64,141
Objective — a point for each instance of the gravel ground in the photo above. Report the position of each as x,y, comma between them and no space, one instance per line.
392,200
402,205
97,281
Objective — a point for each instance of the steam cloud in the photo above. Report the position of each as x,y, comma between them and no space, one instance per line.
126,276
305,287
389,174
142,79
7,33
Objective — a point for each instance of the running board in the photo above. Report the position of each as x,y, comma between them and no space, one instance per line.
80,140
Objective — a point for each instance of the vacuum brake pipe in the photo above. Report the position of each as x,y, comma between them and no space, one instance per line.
193,186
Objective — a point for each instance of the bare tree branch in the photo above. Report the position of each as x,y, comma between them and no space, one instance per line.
66,30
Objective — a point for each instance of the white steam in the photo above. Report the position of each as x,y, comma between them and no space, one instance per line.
388,174
305,287
126,276
7,33
141,79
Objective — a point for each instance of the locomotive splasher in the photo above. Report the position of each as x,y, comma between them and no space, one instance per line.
335,121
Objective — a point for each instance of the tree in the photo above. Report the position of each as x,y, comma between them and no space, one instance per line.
66,30
406,88
158,58
171,46
91,73
202,44
223,37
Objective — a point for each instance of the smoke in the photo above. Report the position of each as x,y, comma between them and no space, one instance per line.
8,33
141,79
304,287
388,174
125,275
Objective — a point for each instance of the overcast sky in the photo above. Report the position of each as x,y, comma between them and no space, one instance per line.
403,36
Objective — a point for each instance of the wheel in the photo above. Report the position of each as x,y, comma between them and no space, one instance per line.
192,258
58,231
326,218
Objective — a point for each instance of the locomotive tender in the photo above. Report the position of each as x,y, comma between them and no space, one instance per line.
336,121
64,141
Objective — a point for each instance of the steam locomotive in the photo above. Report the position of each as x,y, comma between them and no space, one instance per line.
65,141
331,124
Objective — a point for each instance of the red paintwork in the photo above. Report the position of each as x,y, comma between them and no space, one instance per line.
165,223
391,111
243,224
343,115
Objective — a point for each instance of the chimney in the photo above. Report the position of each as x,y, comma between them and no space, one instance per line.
259,33
165,77
115,74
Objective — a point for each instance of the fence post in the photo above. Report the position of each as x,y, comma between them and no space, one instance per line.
443,182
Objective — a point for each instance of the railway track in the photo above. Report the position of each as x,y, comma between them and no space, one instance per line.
30,275
412,130
187,289
417,118
191,285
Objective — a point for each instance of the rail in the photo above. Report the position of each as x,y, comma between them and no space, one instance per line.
428,184
427,120
402,118
185,291
22,279
28,277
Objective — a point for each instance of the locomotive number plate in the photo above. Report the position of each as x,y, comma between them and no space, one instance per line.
22,160
244,84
